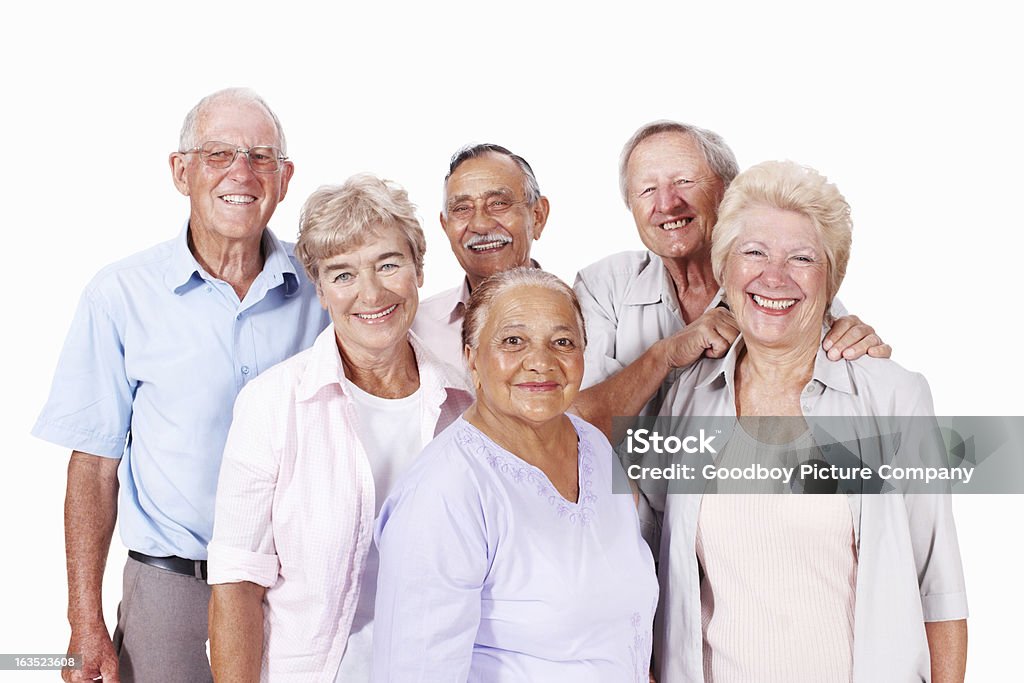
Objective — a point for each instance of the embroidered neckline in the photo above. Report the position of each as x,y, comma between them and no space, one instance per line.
523,473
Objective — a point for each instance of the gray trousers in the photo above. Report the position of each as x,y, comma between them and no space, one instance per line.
162,627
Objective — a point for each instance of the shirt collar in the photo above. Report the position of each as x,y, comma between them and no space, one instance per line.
832,374
183,264
460,299
654,285
277,267
650,285
325,368
720,369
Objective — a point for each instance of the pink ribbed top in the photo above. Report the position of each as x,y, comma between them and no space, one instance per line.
777,596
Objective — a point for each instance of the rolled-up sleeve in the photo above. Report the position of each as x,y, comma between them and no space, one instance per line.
243,547
933,534
433,561
937,557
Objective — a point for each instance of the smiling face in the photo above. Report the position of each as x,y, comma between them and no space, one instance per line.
673,195
776,278
372,294
500,228
231,203
528,364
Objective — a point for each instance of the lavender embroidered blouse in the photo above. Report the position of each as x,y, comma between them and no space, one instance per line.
487,573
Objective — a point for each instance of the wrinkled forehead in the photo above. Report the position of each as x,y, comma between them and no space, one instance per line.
237,121
533,306
483,175
374,239
667,153
777,227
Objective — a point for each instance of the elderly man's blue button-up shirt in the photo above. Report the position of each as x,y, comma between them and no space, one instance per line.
157,352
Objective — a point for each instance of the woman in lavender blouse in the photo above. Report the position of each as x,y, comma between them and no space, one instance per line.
505,556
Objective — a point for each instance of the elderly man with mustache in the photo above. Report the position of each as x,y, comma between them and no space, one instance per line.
493,211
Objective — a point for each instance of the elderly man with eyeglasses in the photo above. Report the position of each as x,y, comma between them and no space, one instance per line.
161,344
493,211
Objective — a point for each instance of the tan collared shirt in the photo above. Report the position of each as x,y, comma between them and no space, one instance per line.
629,302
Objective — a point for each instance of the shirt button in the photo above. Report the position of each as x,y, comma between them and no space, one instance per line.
245,369
809,389
209,289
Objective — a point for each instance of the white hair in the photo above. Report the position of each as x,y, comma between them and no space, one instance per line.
190,128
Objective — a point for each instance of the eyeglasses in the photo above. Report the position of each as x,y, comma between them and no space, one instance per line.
262,159
494,205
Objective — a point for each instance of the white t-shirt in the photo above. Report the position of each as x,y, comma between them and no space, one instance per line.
389,429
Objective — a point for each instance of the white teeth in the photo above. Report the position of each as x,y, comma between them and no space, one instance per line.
238,198
674,225
374,316
774,304
483,246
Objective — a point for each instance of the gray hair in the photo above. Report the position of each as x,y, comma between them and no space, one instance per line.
190,128
788,186
463,154
337,218
717,154
484,295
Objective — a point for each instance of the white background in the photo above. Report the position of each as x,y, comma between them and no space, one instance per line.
911,108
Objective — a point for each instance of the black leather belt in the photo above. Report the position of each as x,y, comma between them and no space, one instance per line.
178,565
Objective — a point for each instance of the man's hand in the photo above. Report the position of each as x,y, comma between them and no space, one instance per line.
710,335
850,338
98,657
